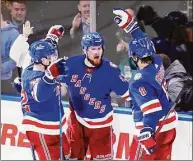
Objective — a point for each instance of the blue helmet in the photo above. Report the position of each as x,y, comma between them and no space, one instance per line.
142,47
41,49
92,39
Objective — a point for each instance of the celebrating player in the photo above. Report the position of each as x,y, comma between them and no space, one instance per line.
40,102
90,81
20,49
147,89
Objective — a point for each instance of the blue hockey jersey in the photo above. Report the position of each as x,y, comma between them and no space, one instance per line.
90,88
40,103
149,94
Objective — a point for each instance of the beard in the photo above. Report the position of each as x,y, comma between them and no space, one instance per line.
96,61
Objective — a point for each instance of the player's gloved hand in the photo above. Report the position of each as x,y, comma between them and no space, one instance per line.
125,19
147,14
55,33
146,139
17,84
56,68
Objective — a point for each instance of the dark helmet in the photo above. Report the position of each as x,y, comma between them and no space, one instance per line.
179,18
174,23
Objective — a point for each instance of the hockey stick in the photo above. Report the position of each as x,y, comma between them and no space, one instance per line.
33,152
140,152
60,118
111,137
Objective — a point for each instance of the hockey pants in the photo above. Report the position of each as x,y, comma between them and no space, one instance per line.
48,146
80,137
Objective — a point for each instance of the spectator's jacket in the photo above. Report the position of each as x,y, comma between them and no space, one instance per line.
8,36
174,78
20,53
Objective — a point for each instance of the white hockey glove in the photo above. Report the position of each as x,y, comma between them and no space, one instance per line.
125,19
146,139
55,33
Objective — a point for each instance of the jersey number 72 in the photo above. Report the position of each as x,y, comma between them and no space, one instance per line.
24,101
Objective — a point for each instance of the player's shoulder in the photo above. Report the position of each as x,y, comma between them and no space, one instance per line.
74,59
110,65
140,78
29,74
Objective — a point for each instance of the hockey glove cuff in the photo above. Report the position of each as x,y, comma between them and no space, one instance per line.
55,69
146,139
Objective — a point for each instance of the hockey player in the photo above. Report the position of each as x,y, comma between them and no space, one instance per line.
148,92
40,103
90,81
20,49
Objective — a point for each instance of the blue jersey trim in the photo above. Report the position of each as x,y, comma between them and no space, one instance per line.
183,116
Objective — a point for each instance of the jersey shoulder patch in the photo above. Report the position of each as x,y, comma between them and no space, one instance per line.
137,76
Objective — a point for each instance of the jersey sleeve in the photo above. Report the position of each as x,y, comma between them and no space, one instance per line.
118,84
41,89
147,99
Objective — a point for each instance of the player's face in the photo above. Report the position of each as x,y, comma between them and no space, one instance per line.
94,54
84,8
18,11
52,58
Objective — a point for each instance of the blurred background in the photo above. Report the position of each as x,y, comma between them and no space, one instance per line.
75,17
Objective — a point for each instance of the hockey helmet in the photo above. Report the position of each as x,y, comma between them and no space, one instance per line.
91,39
142,47
42,49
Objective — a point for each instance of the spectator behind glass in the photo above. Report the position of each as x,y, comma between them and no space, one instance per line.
8,35
18,16
81,22
175,74
172,34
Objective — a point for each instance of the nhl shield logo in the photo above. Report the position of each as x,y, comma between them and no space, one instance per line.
137,76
